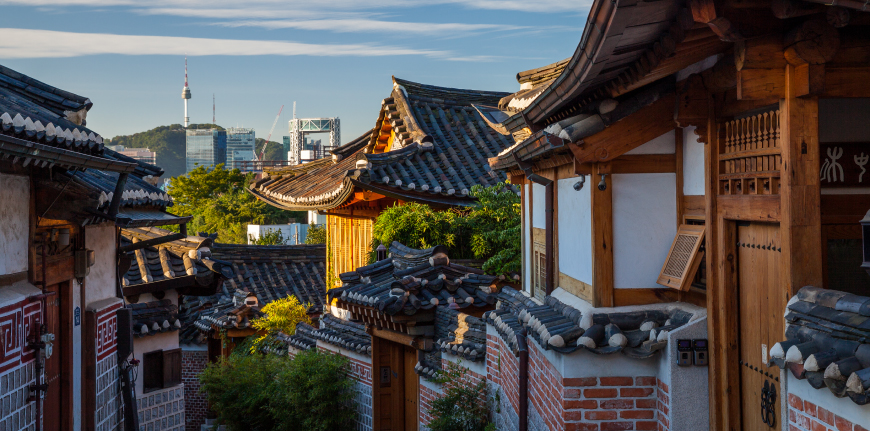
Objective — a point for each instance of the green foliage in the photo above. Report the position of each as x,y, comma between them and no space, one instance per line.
282,315
271,237
167,141
315,394
464,406
274,151
216,199
316,235
489,230
254,392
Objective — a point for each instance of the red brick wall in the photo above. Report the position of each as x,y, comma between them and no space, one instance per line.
806,416
663,405
575,404
426,397
195,406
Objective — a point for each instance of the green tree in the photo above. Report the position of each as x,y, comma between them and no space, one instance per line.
464,406
316,235
218,202
274,151
240,389
271,237
282,315
419,226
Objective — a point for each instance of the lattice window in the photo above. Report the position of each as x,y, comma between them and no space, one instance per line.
750,155
684,258
539,272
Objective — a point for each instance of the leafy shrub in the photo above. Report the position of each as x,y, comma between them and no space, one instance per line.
464,406
255,392
271,237
316,234
282,315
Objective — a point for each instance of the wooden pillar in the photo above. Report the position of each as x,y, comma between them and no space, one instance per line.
602,238
800,193
678,153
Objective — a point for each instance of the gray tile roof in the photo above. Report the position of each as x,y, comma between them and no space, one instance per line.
332,330
411,280
155,317
828,342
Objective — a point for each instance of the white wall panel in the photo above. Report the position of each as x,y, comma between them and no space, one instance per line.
101,279
14,223
527,236
693,163
539,194
644,225
575,230
664,144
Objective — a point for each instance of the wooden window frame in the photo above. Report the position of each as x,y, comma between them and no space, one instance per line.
161,369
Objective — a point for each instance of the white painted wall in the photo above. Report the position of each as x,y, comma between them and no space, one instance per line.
100,282
664,144
150,343
293,234
694,168
527,236
575,229
539,201
14,223
644,226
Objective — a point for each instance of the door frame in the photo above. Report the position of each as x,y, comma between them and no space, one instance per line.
398,373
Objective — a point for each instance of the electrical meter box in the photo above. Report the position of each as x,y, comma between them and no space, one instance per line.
684,353
699,347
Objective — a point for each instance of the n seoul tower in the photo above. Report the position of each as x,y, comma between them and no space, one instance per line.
185,94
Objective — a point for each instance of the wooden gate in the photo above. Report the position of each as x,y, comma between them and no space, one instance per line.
395,386
761,305
53,366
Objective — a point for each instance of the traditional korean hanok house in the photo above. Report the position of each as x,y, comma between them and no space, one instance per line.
709,153
156,279
420,310
212,325
64,199
429,145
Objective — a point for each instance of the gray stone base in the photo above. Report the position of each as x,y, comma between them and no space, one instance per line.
504,416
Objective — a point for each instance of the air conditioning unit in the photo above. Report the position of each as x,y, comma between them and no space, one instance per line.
84,262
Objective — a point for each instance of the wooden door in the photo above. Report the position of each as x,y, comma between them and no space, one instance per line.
762,301
411,389
53,404
388,385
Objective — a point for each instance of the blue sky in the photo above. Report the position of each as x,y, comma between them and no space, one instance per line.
333,57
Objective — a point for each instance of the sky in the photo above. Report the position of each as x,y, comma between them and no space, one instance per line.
334,58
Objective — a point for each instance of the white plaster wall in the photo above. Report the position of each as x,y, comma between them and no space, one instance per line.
844,120
150,343
475,367
344,352
664,144
843,407
539,193
527,236
644,225
689,390
575,230
693,163
14,223
100,282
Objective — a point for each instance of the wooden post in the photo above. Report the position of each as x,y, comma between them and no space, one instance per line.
602,239
800,193
678,155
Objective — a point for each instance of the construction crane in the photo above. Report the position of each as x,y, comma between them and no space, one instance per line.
265,144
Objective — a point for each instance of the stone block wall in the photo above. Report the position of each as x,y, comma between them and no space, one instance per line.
109,403
17,362
193,362
162,410
361,373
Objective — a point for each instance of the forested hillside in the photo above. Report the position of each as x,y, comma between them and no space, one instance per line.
168,142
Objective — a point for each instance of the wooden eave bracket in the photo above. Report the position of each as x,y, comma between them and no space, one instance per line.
704,11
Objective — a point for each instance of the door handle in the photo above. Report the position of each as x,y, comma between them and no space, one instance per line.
768,404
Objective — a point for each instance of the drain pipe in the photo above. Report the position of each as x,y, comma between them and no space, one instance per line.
523,348
549,242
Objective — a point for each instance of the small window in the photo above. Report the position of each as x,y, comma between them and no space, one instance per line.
539,272
161,369
684,258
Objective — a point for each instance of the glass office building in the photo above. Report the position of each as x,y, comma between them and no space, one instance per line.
206,147
240,146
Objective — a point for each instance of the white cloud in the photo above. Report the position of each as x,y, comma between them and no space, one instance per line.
21,43
374,26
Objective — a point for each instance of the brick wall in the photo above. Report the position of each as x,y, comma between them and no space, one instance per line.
426,397
575,404
806,416
195,405
663,405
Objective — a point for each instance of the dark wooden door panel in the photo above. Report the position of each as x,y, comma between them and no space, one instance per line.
53,365
412,389
762,300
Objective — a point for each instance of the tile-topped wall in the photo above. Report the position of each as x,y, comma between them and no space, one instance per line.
162,410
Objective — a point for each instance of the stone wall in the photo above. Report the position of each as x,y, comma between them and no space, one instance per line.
108,403
361,373
193,362
162,410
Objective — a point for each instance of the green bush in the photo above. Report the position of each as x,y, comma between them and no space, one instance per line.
271,237
464,406
316,234
255,392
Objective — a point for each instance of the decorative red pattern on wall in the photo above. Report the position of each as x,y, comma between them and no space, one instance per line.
16,321
107,331
806,416
193,362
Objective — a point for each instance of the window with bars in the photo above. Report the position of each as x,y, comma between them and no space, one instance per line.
539,272
684,258
161,369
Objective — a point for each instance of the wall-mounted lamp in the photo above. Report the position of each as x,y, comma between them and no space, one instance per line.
601,184
579,184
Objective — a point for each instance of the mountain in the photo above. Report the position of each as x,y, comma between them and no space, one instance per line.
169,143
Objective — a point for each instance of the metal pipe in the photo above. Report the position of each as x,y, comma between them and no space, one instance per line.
116,197
523,348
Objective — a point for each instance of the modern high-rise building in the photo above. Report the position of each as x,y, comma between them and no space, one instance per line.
206,147
141,154
240,146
